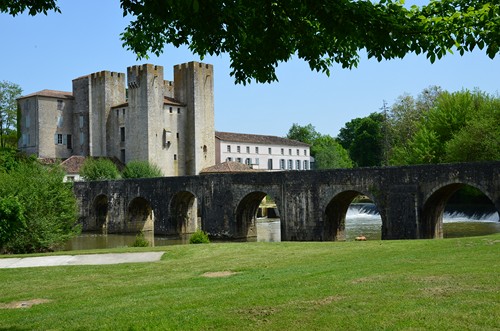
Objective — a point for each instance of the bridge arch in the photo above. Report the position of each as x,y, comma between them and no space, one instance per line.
431,220
99,219
140,216
184,213
335,214
246,214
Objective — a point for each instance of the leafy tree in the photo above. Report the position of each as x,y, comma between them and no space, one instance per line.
329,154
9,92
363,138
141,169
11,218
306,134
326,151
451,131
405,114
35,195
260,34
99,169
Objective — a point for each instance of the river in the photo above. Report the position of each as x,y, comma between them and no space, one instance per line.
458,221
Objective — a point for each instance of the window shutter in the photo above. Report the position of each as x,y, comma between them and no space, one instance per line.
55,139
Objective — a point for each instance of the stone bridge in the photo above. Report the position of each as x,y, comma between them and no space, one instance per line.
312,204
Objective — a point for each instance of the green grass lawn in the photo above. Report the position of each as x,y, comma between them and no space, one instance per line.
451,284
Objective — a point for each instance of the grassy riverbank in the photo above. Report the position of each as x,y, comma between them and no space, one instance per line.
450,284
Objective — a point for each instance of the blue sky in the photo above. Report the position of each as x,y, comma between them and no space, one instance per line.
47,52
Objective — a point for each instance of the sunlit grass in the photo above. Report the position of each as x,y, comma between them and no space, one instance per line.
447,284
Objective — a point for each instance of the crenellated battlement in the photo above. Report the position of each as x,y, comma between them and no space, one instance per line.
147,67
106,74
192,65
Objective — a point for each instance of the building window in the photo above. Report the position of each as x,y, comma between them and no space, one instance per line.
256,150
248,149
81,119
257,161
178,110
298,151
248,161
117,112
238,159
58,139
270,151
122,134
305,152
59,104
28,121
175,157
170,110
238,149
69,142
290,164
177,135
282,164
297,165
122,155
59,121
123,111
270,164
282,151
82,138
290,151
229,148
229,159
306,165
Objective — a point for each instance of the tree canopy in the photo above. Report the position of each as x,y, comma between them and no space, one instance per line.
9,92
258,35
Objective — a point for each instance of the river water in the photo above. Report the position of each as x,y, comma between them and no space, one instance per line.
458,221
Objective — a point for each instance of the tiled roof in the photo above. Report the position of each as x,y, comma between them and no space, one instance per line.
227,167
172,101
257,139
50,94
73,164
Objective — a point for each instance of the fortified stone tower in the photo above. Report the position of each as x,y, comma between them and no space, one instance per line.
144,115
94,95
194,87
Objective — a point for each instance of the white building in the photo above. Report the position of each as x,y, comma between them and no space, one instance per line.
262,152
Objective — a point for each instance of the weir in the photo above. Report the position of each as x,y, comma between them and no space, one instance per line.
312,204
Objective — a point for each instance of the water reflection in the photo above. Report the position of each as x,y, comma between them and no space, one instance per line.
360,219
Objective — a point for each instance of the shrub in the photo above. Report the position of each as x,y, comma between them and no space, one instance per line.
141,169
11,218
37,195
140,241
199,237
99,169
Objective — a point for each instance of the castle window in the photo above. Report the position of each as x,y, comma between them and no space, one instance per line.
170,110
248,161
28,121
298,151
122,155
178,110
175,157
256,150
238,159
282,164
117,112
290,151
248,149
238,149
282,151
229,148
81,121
122,133
290,164
297,165
270,150
59,104
69,142
123,111
229,159
305,152
306,165
82,138
270,164
177,135
58,139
